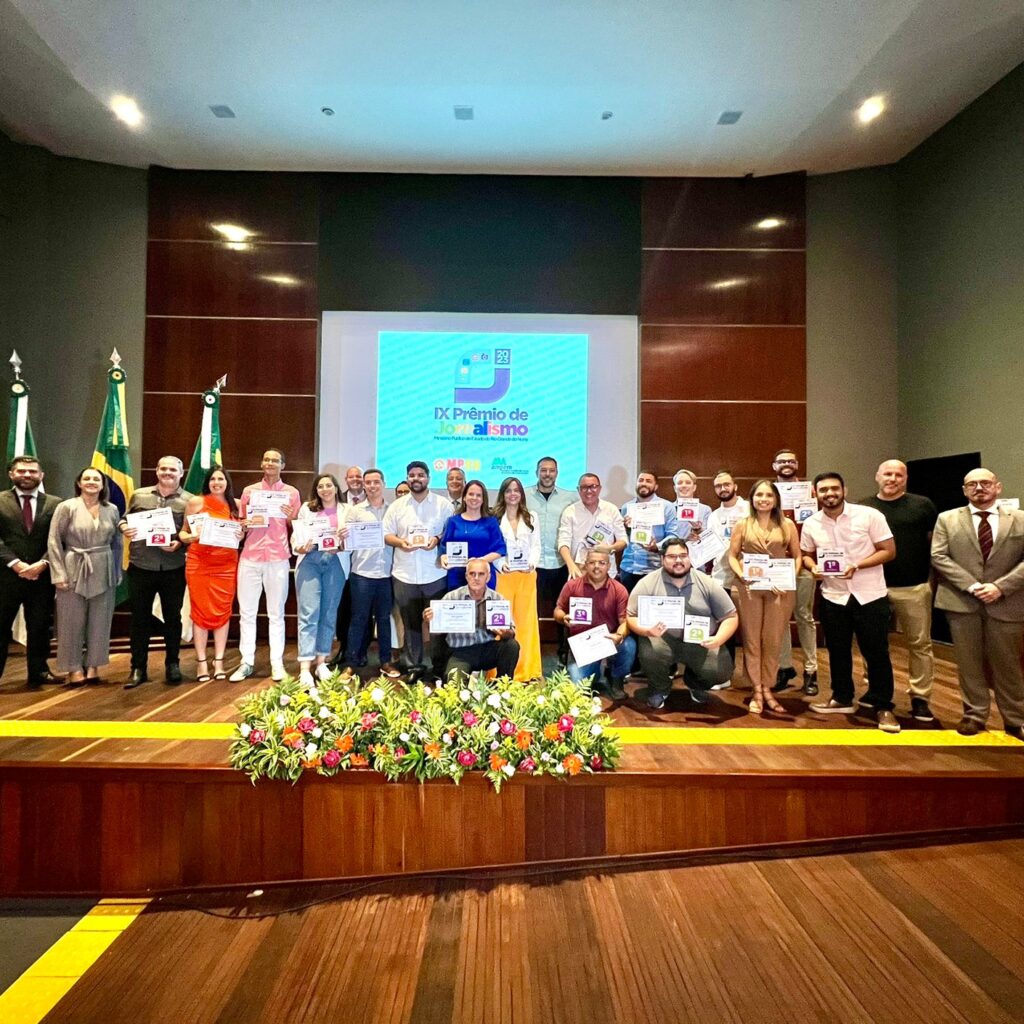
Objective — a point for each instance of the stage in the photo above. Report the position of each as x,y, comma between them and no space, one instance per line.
120,792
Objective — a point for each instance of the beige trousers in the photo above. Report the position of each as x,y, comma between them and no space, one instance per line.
913,608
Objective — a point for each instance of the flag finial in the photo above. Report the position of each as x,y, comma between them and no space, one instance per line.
115,358
15,362
222,383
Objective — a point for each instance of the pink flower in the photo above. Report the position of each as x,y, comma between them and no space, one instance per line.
415,716
565,723
331,759
507,728
527,765
597,763
257,736
466,758
369,720
306,724
399,752
468,718
297,743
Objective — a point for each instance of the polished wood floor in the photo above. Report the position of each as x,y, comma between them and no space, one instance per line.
919,936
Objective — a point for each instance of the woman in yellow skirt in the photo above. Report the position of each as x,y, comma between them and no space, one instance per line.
517,578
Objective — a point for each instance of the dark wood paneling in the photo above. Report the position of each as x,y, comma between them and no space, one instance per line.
723,288
189,355
249,425
191,279
278,207
714,213
704,437
754,363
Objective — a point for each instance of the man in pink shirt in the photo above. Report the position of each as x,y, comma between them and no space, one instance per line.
268,508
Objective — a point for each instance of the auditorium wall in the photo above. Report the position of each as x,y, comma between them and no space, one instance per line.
72,288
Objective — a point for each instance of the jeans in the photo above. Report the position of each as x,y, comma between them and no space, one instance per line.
370,597
319,581
618,666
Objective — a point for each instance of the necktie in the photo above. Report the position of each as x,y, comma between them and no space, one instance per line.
26,513
985,535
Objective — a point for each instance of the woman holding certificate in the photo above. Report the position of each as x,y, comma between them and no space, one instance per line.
471,533
84,552
764,613
212,532
517,581
319,575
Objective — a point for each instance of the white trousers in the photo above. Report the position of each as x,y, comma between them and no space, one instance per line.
253,579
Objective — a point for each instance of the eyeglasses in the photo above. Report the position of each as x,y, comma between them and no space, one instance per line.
590,487
787,462
983,485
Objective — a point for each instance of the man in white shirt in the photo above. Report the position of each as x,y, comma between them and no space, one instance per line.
732,509
590,524
845,546
413,526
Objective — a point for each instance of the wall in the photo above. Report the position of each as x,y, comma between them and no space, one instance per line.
961,286
72,288
851,325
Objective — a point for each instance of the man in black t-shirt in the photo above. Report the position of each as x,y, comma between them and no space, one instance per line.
911,517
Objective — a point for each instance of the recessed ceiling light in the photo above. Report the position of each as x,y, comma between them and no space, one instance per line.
127,110
232,232
287,280
221,110
729,116
870,109
463,113
728,282
768,223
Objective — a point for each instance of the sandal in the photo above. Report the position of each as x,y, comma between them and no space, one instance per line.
219,673
774,706
204,676
754,707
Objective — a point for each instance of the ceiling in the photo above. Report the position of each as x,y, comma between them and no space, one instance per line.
538,73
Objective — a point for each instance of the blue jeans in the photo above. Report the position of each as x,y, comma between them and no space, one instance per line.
319,581
619,666
369,596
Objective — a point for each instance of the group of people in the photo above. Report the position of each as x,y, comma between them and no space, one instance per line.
364,565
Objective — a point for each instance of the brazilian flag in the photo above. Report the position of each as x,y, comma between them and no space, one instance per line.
208,448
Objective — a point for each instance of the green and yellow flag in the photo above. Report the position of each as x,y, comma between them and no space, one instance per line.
19,429
208,450
111,456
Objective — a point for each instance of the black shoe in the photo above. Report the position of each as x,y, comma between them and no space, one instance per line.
1016,731
46,676
782,678
656,701
920,711
340,660
699,696
137,678
811,684
173,674
616,690
969,727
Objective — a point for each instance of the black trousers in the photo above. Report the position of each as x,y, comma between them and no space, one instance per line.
501,655
412,599
36,597
143,586
869,623
344,622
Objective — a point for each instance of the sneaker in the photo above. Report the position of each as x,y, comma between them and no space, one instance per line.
782,678
969,727
656,701
920,711
887,721
277,672
810,684
306,678
699,696
723,686
832,707
242,672
323,673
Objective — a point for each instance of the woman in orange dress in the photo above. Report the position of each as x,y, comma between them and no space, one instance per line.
211,571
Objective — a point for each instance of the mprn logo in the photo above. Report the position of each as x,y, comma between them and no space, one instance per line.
483,379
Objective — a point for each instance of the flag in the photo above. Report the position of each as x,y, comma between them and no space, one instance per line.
19,429
111,456
208,450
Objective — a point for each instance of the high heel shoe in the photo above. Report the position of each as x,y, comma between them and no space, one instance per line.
204,675
219,673
774,706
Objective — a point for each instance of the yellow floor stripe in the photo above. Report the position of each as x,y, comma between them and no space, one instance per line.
52,976
630,735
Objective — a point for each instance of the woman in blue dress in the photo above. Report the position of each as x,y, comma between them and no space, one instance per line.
473,525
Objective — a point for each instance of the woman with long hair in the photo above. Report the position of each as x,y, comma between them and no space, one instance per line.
84,552
517,580
764,614
211,571
473,524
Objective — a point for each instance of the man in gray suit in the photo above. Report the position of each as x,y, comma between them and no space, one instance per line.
978,553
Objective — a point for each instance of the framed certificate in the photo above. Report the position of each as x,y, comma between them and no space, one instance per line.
453,616
592,646
418,535
669,611
323,533
365,536
688,510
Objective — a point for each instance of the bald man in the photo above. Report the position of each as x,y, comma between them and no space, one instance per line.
911,518
978,553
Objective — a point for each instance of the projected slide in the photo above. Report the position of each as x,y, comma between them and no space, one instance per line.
489,403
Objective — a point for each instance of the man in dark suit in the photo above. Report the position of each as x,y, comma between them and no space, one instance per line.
25,514
978,553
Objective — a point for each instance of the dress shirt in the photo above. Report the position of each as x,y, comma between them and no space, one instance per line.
482,635
855,531
993,519
374,565
577,521
718,524
523,536
145,499
268,543
636,559
547,510
608,607
34,497
419,566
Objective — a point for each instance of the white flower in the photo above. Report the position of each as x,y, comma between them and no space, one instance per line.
311,749
376,695
494,700
509,770
495,745
541,699
324,712
245,729
545,757
464,695
596,705
280,721
477,695
427,691
404,737
575,712
314,693
351,702
422,735
446,737
284,700
596,730
317,733
506,695
493,728
559,769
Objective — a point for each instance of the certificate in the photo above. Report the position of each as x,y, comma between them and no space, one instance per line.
696,628
670,611
647,514
457,552
155,527
707,549
453,616
581,611
365,536
418,535
518,558
497,614
269,504
220,533
642,535
803,510
1012,503
323,533
778,574
195,522
831,561
600,534
793,491
592,646
732,517
688,510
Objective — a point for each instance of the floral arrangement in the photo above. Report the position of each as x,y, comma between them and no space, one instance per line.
501,728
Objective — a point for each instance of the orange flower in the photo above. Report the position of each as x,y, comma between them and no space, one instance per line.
573,764
343,743
524,738
290,735
312,763
551,732
497,763
433,750
358,761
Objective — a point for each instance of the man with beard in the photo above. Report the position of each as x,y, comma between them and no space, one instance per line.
706,664
732,509
413,526
642,557
854,601
787,469
25,514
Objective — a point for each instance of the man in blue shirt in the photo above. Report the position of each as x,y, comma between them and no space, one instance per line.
642,554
